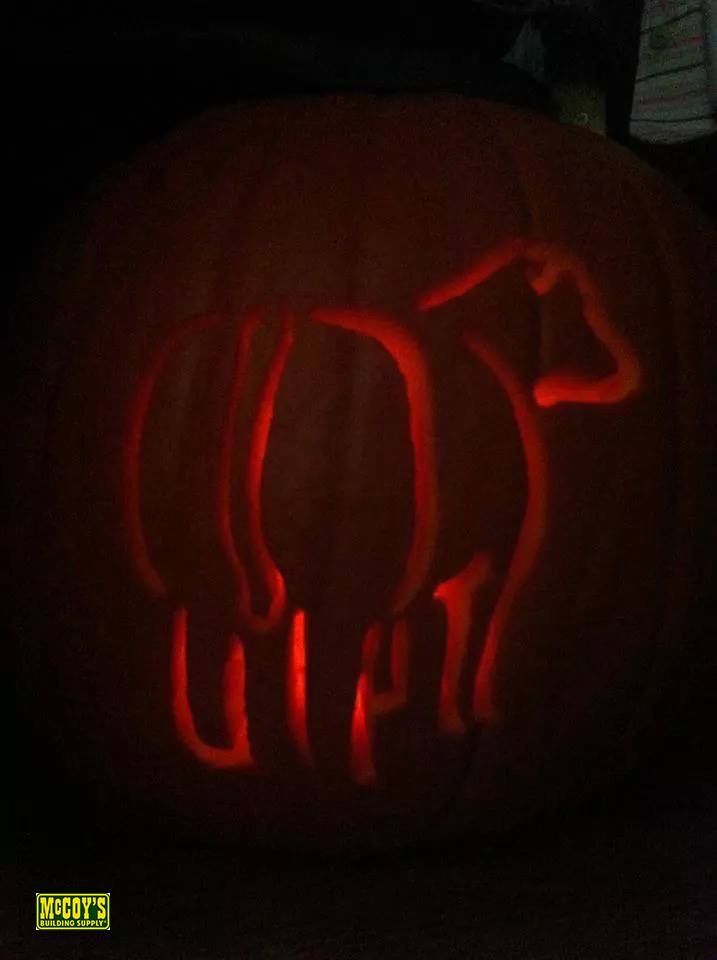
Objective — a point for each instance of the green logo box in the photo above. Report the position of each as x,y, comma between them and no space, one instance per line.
72,911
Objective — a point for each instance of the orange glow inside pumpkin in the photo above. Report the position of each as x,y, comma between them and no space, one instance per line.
258,440
545,265
412,366
238,753
296,686
368,704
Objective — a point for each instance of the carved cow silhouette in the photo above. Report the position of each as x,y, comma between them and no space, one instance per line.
545,264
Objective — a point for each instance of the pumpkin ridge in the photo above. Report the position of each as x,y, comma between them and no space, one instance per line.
678,591
483,581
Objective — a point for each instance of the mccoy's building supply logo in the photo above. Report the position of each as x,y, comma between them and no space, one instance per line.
72,911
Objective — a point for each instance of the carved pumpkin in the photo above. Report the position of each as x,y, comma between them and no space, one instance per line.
370,468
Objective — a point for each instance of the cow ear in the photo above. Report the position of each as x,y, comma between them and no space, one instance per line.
584,357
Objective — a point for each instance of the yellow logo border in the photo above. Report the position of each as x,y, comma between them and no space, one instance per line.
72,929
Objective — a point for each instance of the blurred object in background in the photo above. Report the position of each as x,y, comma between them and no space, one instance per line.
673,125
642,73
674,93
562,45
528,51
577,96
710,8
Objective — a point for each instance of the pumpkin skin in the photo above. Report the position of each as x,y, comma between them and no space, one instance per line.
371,468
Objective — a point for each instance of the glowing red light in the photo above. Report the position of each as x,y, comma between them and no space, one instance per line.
410,362
532,529
131,499
296,686
545,265
456,595
258,440
238,753
368,704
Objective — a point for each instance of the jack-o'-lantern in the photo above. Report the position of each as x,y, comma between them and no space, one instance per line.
370,467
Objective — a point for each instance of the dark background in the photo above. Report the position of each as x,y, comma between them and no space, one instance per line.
631,874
